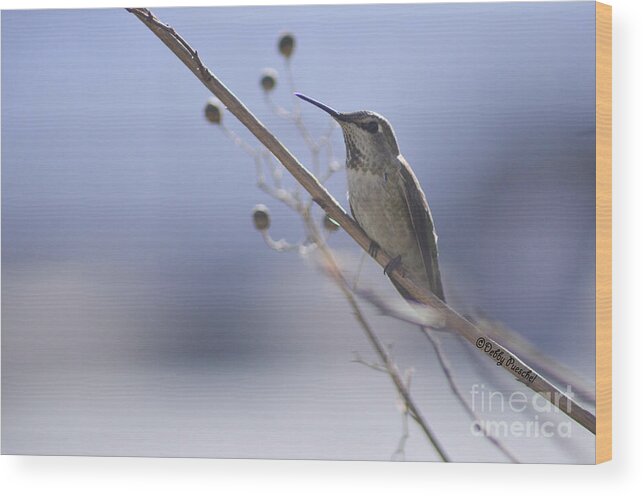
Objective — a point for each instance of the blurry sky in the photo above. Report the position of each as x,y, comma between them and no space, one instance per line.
141,312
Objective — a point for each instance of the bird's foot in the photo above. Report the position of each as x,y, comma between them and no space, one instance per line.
373,249
393,264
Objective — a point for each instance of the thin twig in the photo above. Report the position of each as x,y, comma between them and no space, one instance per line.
405,311
446,369
320,195
424,319
398,454
280,245
358,272
333,270
371,365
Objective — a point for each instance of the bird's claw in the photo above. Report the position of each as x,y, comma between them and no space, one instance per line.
373,249
393,264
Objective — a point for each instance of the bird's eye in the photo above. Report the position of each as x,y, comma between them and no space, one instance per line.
372,127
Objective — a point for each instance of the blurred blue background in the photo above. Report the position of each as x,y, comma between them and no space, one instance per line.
143,315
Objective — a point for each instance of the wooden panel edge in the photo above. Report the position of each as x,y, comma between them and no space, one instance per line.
603,232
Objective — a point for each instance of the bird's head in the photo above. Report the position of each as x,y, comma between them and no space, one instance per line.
366,133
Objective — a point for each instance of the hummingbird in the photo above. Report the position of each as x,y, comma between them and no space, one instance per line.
386,198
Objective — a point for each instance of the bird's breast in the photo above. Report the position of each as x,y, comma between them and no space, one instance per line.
380,208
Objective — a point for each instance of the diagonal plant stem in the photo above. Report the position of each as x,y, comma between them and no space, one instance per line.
453,320
389,364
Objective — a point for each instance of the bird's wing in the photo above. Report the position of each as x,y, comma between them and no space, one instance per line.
423,226
352,211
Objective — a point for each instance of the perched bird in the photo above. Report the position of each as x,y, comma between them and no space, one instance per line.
386,199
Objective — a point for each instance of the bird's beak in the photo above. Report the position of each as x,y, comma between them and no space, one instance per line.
333,113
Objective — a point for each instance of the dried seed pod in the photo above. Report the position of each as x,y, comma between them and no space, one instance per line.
214,111
287,44
268,79
261,217
330,224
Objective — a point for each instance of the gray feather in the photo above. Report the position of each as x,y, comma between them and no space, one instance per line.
423,226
